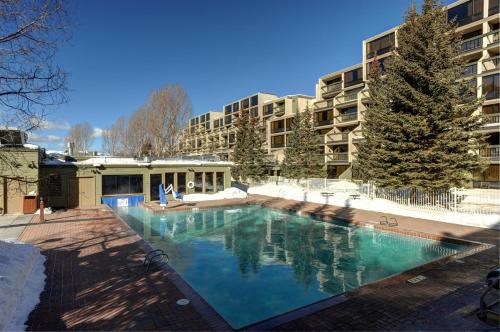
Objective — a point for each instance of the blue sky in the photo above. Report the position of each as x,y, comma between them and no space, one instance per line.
217,50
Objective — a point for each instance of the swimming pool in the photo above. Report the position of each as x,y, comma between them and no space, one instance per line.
251,263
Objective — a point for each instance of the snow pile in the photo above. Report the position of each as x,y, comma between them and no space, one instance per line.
225,194
22,279
344,199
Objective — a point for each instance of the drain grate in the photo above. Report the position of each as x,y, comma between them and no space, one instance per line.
416,279
182,302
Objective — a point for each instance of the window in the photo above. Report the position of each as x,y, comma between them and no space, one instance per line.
228,119
227,109
198,182
491,86
209,182
494,4
245,103
121,184
202,118
207,125
491,109
254,112
381,45
278,141
236,107
353,77
351,110
55,185
193,122
466,13
154,186
254,100
169,179
268,109
181,182
289,124
207,117
277,126
219,176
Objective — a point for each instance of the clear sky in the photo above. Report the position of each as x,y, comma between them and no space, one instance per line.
217,50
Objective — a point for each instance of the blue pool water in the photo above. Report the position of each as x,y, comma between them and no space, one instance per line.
252,263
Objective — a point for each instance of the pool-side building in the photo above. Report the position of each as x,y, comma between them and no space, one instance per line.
28,174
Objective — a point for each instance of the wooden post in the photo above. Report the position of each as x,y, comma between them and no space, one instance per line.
42,210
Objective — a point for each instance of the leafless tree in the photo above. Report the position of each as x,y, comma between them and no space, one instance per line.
82,136
139,138
169,109
30,81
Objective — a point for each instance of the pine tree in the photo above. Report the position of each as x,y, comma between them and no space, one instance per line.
420,129
301,155
248,155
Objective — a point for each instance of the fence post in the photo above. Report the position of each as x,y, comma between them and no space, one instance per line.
454,193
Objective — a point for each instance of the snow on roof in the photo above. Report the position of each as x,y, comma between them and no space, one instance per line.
98,161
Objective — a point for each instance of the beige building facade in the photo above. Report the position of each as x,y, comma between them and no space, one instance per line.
341,98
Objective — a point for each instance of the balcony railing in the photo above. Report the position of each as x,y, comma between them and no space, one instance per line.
323,122
351,83
279,110
469,70
337,86
493,37
491,118
337,157
357,135
381,51
471,44
338,137
277,145
277,130
491,64
470,19
347,117
347,98
492,152
323,104
268,111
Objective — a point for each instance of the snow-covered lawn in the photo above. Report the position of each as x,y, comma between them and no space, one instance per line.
225,194
344,199
22,279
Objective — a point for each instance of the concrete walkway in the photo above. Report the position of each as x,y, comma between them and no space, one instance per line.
11,226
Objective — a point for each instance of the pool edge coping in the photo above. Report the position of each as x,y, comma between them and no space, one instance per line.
218,323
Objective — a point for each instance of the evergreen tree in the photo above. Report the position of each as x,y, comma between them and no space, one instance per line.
302,159
248,155
420,129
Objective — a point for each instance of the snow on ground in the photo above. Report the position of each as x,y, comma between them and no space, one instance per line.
343,199
225,194
22,279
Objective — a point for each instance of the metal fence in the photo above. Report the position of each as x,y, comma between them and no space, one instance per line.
474,201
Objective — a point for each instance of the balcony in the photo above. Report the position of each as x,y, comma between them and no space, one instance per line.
491,153
352,83
493,37
346,117
347,98
322,123
332,87
337,157
491,64
277,145
277,130
471,44
338,138
491,118
324,104
357,135
279,110
378,52
469,70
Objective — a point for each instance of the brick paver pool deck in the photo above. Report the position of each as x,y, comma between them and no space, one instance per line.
93,283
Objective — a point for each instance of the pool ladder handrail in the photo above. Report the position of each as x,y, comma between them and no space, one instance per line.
151,257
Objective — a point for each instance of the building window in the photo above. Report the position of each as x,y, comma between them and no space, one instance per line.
219,181
227,109
353,77
55,185
198,182
181,182
209,182
207,117
268,109
278,141
154,189
491,86
245,103
254,112
236,107
254,101
380,46
202,118
121,184
466,13
169,179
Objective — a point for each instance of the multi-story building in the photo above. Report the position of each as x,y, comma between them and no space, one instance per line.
342,97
